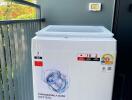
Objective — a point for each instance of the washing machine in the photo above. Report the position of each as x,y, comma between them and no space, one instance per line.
73,63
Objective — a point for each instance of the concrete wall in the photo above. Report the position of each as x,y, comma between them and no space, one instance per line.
75,12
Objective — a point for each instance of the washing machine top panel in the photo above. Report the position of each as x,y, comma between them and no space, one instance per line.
75,31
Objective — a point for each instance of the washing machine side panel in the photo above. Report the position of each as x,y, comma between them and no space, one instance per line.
33,51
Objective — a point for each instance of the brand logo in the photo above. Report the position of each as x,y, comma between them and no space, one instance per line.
107,59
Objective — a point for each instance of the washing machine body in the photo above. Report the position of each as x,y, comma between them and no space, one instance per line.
73,65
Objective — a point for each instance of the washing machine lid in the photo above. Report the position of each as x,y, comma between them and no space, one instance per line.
75,31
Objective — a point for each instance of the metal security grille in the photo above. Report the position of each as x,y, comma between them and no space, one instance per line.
15,59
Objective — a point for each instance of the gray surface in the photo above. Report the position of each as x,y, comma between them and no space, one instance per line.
75,12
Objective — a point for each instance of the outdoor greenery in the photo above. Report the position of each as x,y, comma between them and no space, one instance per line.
10,10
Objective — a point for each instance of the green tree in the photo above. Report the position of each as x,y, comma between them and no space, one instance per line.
13,11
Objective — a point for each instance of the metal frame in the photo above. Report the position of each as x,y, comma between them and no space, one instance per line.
21,21
28,3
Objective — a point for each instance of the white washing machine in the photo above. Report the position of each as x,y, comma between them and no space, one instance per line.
73,63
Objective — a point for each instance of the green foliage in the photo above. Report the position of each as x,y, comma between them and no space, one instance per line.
13,11
8,0
16,0
26,16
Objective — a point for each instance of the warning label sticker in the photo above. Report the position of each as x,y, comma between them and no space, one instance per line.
88,57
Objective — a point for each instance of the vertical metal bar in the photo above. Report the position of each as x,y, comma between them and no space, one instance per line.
8,60
34,27
40,25
16,70
1,95
3,66
43,24
28,71
13,56
35,30
23,61
35,23
27,61
27,50
1,85
30,68
37,27
20,71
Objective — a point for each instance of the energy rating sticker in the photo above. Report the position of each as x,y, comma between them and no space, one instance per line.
107,59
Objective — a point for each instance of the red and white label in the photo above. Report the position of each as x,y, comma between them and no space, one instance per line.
88,57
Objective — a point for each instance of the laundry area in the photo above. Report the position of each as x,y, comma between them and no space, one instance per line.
73,50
